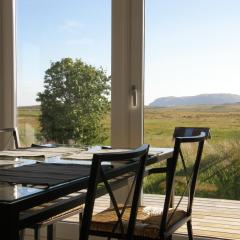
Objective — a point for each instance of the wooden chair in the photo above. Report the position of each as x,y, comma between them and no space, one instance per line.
12,133
29,214
49,223
148,222
114,223
190,131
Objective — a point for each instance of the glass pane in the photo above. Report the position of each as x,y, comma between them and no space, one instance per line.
63,71
192,79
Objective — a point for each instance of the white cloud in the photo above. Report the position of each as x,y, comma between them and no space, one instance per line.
70,25
82,41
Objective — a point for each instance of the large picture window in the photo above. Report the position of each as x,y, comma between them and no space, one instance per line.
192,79
63,71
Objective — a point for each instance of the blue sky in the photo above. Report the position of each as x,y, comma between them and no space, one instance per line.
48,30
192,46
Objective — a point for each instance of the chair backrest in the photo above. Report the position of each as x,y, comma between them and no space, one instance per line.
190,131
182,136
97,174
12,133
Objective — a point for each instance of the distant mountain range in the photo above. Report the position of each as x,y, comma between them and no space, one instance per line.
208,99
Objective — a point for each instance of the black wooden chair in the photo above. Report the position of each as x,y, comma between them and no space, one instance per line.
50,223
147,222
191,131
11,133
116,226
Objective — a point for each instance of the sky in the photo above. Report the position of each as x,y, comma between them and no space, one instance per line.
191,46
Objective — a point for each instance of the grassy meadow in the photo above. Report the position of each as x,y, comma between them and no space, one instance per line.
220,168
28,124
224,121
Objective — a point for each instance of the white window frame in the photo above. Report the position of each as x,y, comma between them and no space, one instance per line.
127,73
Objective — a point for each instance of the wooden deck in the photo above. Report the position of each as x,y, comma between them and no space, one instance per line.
212,218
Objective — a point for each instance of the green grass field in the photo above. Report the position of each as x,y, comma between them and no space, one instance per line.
220,169
28,124
223,120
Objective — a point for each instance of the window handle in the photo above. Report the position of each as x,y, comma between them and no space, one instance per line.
134,96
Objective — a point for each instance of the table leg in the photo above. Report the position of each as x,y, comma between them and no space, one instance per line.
51,231
9,223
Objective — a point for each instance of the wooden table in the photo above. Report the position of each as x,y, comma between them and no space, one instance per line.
15,198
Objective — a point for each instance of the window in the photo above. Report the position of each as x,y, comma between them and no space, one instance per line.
192,49
47,32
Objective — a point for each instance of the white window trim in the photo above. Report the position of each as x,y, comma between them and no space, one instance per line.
127,73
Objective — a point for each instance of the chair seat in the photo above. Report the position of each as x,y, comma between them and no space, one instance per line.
147,224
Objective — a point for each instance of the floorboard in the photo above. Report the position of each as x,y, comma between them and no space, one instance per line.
214,218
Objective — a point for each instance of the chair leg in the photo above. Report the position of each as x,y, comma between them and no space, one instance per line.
80,216
189,229
36,233
51,232
21,234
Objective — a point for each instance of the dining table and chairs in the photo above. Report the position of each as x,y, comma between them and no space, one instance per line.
43,184
134,221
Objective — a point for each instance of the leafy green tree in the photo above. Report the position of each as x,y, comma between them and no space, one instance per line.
74,102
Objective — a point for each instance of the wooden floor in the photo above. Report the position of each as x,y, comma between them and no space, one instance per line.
214,218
